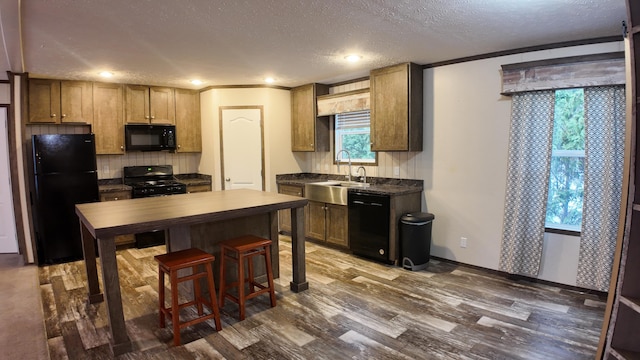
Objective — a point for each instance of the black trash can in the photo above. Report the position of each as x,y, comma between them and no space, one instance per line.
415,240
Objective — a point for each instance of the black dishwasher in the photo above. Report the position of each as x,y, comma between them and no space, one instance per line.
369,225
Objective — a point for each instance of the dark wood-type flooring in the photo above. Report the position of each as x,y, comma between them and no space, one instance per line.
354,309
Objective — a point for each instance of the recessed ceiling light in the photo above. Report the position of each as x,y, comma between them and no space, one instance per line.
353,58
106,74
269,80
196,82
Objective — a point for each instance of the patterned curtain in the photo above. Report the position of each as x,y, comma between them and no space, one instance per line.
527,182
604,119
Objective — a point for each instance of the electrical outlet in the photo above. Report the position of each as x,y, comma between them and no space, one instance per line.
318,166
396,171
463,242
105,170
326,167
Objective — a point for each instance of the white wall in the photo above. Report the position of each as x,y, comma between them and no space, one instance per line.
277,130
464,162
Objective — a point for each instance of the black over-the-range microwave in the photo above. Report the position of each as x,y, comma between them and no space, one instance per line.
141,137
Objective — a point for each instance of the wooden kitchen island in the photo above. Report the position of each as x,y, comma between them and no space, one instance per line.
191,220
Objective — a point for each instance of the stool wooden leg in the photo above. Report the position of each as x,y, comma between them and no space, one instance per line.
197,292
222,278
250,278
267,259
241,298
212,297
175,308
161,297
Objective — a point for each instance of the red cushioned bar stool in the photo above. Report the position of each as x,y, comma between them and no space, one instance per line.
237,250
169,264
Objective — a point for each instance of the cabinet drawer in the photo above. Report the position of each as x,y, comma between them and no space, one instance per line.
198,188
115,195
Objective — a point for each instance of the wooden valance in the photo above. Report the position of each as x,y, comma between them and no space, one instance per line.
563,73
348,101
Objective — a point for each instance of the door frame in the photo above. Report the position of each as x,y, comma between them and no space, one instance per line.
221,110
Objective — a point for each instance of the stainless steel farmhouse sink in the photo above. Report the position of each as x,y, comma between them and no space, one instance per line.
332,192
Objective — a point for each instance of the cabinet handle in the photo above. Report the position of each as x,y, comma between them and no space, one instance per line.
152,117
299,194
227,179
311,144
63,115
179,146
146,117
53,115
122,147
115,198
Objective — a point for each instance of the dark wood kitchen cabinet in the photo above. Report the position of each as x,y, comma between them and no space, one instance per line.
108,118
149,105
114,196
284,216
188,128
327,223
308,131
396,108
60,101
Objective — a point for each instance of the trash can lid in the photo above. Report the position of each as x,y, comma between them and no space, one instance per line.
417,217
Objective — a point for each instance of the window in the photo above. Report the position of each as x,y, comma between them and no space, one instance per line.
566,180
352,133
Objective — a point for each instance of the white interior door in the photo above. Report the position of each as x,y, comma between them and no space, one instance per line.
8,237
242,158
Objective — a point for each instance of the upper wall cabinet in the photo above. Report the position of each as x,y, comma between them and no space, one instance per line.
108,118
308,131
396,108
188,120
57,102
149,105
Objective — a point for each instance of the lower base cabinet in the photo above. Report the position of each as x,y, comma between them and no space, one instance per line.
284,216
114,196
327,223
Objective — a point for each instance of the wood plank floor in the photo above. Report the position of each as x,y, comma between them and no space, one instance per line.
354,309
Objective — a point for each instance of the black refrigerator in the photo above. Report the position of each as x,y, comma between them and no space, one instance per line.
64,168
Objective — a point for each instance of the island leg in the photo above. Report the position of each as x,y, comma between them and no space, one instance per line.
299,282
120,342
89,252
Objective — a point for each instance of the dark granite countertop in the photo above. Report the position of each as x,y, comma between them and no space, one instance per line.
111,185
379,186
194,179
104,188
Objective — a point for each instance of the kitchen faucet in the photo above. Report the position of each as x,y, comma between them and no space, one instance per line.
364,171
338,162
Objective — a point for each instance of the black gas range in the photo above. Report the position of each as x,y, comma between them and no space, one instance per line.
155,180
148,181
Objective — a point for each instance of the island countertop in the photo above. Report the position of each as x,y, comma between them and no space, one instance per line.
157,213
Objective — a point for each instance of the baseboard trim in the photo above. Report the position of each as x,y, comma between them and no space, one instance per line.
516,277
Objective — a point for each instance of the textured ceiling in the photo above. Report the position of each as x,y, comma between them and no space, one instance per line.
237,42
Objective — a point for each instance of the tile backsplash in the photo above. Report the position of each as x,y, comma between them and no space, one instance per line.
110,166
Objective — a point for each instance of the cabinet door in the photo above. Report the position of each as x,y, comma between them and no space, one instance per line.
308,132
162,105
315,220
338,225
390,109
76,102
44,101
284,216
188,120
108,118
136,104
303,118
